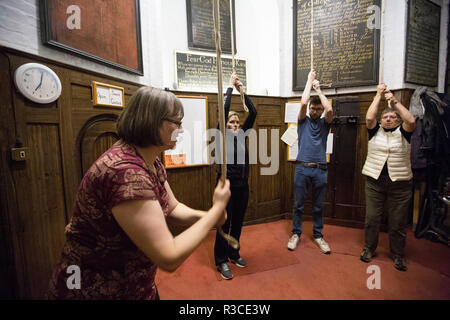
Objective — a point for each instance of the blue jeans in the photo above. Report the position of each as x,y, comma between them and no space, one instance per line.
304,177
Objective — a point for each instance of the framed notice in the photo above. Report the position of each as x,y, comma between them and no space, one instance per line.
200,23
191,148
422,44
198,72
106,95
345,43
107,32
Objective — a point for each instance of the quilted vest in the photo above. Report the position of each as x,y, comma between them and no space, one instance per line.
393,148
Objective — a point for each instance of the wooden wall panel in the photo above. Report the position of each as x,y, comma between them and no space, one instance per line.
39,192
41,209
8,205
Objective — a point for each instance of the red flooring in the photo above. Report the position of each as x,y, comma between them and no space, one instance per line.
275,273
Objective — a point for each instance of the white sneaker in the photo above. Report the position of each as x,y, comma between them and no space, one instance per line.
293,242
324,247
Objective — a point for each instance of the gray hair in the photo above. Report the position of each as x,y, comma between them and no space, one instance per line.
389,110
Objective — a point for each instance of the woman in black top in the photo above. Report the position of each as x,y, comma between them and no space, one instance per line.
237,173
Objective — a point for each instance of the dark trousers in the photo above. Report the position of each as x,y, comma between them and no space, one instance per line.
235,216
396,197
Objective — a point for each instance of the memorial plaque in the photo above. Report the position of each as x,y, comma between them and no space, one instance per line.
199,72
200,20
346,44
422,45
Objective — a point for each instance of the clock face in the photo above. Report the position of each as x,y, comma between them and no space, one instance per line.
38,83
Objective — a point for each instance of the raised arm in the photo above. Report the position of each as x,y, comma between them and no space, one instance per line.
409,123
229,94
250,120
306,95
371,115
328,109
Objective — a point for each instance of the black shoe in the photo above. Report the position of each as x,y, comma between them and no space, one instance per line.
366,255
241,263
399,263
225,271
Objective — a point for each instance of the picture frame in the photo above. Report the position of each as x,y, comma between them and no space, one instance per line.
105,32
107,95
198,72
422,43
327,48
200,25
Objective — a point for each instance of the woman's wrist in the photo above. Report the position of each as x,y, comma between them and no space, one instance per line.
217,206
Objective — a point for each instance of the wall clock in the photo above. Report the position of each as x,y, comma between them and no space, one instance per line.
37,83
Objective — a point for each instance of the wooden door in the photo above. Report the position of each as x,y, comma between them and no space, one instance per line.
344,199
97,136
266,189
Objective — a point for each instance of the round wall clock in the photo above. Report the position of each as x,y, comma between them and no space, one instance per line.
37,82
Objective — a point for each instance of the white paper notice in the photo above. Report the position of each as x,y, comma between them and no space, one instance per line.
290,136
330,143
291,112
293,152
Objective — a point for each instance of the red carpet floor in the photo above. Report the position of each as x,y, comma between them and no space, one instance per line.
275,273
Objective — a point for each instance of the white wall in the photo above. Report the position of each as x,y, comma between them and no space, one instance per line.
263,37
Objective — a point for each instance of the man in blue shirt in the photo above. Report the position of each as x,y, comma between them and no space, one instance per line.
311,168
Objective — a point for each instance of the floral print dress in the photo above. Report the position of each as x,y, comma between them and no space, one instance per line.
110,264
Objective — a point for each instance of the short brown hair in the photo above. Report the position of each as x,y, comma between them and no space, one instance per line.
139,122
314,101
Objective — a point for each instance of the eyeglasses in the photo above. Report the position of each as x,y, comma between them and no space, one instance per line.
176,122
389,117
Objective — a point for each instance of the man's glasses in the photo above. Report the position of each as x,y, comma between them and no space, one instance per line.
388,116
176,122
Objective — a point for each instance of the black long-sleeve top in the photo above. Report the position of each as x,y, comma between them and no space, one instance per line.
237,165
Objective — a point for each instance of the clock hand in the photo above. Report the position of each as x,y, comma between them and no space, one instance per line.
40,83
